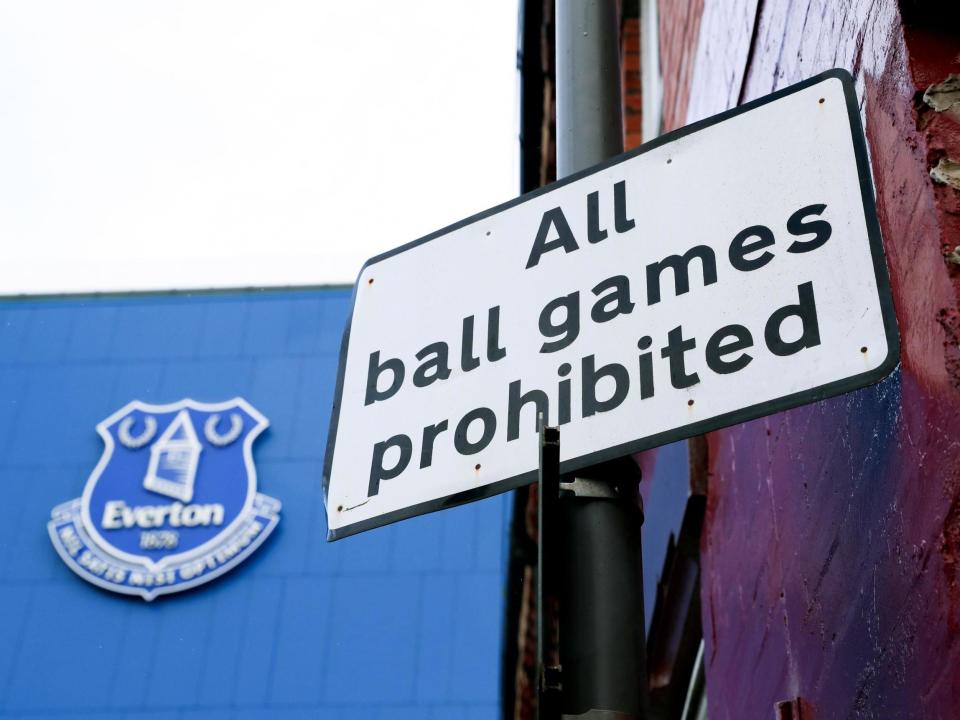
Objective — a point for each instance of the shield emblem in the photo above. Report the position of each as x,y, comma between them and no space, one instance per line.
173,501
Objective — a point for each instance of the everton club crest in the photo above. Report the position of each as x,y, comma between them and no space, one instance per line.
173,502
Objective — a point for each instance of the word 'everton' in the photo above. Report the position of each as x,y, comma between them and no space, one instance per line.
786,331
117,515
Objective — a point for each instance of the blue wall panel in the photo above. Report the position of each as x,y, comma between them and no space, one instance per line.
403,622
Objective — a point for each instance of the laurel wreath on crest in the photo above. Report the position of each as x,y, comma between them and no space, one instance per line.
214,438
136,441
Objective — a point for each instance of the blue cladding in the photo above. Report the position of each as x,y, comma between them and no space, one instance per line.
14,322
403,622
361,616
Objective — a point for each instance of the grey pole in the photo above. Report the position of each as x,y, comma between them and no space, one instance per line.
602,644
589,112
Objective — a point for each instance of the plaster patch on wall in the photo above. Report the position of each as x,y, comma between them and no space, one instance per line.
947,172
945,96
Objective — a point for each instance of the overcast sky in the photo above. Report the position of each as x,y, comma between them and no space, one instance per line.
204,143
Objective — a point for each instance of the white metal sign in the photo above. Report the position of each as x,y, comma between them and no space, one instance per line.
717,274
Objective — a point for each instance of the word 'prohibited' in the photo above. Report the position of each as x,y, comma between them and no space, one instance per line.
720,273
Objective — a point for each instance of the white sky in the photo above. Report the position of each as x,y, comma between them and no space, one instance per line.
204,143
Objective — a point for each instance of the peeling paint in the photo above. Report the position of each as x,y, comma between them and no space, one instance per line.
947,172
945,96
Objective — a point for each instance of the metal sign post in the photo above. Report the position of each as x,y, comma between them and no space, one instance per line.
602,644
549,671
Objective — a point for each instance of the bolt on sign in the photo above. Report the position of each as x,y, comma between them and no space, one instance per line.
719,273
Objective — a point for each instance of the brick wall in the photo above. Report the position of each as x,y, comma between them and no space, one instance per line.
679,31
632,90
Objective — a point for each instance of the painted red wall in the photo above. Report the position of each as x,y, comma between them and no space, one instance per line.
831,545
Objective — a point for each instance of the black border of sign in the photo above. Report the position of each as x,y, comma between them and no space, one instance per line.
822,392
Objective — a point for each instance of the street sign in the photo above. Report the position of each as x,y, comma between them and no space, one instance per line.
720,273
